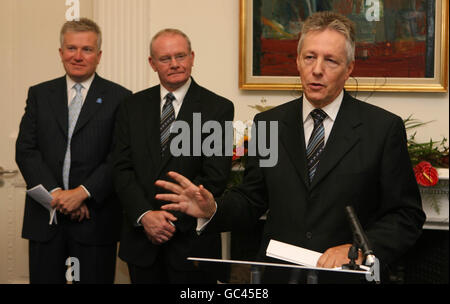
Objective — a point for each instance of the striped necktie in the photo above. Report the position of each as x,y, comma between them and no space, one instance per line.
167,118
316,142
74,112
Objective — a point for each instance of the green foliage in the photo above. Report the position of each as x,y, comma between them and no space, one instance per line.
434,152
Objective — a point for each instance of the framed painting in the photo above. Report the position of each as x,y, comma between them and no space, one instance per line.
402,45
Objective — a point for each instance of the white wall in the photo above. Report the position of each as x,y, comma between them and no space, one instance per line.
29,32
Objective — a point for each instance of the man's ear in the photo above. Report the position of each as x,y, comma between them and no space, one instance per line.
193,57
350,67
152,63
99,56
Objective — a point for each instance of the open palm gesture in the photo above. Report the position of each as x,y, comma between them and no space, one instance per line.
186,197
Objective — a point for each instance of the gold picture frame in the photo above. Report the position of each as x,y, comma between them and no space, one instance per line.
437,83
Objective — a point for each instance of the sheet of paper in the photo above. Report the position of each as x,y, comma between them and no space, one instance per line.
293,254
43,197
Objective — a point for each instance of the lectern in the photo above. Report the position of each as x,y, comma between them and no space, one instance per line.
313,273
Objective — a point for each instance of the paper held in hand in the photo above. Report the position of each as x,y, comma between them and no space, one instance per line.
293,254
43,197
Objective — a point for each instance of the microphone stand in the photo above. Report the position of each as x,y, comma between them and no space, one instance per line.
360,242
353,256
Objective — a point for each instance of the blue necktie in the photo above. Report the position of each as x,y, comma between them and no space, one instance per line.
167,118
74,112
316,142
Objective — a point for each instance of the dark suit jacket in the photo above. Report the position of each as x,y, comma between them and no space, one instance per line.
41,147
365,163
138,164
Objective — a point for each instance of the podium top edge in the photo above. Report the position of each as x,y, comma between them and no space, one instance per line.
280,265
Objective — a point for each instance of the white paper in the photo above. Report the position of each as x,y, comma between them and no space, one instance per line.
43,197
293,254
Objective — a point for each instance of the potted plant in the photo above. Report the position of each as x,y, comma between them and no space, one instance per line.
430,161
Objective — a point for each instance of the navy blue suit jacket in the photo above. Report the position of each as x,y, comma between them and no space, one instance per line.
41,147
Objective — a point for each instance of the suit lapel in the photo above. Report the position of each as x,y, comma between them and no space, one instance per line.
292,137
151,113
58,102
93,102
342,138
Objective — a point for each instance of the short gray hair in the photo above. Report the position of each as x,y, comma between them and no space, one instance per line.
321,21
170,31
83,25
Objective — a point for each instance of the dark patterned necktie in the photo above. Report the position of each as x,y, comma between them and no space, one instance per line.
167,118
316,142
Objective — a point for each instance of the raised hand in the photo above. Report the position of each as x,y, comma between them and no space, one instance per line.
186,197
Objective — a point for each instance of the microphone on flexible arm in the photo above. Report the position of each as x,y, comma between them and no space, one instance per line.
359,237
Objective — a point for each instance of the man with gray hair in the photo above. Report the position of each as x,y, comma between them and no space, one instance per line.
335,151
64,143
155,243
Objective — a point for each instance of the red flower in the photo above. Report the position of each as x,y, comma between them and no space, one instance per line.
426,175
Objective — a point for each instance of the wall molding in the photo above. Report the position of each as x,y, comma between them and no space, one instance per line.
126,36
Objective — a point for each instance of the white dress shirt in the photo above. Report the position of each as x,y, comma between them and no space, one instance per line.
331,109
179,94
71,92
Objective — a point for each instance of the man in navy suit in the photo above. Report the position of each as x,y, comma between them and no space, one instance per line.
64,143
334,151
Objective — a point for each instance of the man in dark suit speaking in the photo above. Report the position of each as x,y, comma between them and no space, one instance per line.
155,243
64,142
333,151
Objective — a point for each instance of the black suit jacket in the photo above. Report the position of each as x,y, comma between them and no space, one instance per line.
41,147
365,163
138,164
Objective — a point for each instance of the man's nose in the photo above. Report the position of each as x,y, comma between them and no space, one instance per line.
318,67
173,62
78,55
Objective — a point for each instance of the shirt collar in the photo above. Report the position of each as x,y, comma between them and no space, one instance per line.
86,84
179,93
331,109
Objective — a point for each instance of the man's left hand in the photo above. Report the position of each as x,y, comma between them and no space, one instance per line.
337,256
67,201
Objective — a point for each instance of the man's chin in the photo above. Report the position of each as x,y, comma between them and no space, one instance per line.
175,84
79,77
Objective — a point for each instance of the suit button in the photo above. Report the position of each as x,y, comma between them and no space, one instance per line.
309,235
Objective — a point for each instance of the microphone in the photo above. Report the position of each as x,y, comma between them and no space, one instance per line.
359,237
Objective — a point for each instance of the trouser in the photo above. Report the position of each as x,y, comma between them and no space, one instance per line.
90,264
161,272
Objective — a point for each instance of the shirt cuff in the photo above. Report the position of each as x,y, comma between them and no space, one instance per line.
89,194
138,222
203,222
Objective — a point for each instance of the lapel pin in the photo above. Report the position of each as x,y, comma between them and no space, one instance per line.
99,100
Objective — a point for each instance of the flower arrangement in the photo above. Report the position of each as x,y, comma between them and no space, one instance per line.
426,156
240,150
240,153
